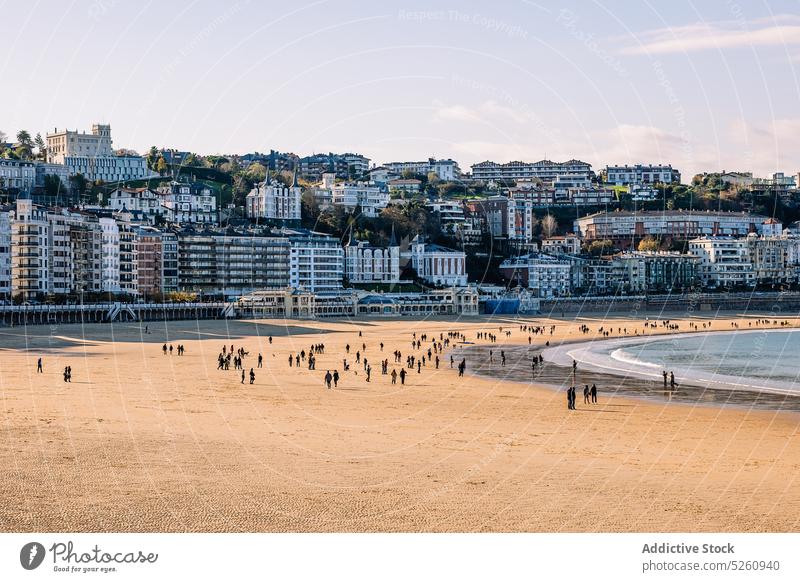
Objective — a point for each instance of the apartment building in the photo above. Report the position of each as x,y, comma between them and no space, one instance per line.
642,174
544,170
18,175
271,201
365,263
638,271
445,170
680,224
437,264
369,197
724,261
545,276
316,261
188,203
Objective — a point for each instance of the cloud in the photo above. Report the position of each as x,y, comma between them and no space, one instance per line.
782,30
489,112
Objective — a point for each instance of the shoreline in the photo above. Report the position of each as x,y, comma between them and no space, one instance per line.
141,441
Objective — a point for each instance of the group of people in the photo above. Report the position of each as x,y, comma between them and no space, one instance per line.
589,396
165,349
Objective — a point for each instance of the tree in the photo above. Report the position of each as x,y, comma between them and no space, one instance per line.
40,146
24,138
161,166
23,152
256,172
78,183
152,158
649,244
52,185
549,225
600,247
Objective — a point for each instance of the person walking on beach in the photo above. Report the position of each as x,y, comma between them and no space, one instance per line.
664,373
252,376
328,379
394,376
39,367
503,357
402,376
594,393
586,394
164,349
569,398
242,375
672,380
260,360
66,374
336,378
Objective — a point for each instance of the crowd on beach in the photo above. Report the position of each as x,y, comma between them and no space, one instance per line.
427,352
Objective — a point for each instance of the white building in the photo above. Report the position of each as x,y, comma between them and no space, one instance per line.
70,144
368,264
110,255
92,155
17,174
445,170
724,261
316,261
189,203
109,169
451,213
138,201
544,170
545,276
562,245
272,201
682,224
437,264
5,254
366,195
641,174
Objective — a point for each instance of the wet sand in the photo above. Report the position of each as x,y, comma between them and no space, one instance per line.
140,441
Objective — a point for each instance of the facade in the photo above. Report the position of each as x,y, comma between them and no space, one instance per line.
724,261
230,263
74,144
316,261
450,212
188,203
544,170
17,174
681,224
110,169
30,260
110,255
403,186
436,264
273,202
642,174
138,201
345,166
368,264
5,253
562,245
369,197
445,170
638,271
545,276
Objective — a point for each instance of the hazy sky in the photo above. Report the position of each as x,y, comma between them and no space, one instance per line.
701,85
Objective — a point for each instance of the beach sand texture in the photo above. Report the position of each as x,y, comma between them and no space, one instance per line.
140,441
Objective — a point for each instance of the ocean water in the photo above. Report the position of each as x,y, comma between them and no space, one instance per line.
751,360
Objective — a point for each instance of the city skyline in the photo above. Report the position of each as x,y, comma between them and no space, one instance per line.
607,83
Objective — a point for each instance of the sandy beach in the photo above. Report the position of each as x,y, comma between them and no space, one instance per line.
140,441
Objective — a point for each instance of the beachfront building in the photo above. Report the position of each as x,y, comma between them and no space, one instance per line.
188,203
437,264
642,174
230,262
29,250
724,261
316,261
545,276
445,170
681,224
110,255
369,197
643,271
545,171
5,253
273,202
367,264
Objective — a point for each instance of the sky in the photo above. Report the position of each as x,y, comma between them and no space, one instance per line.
705,86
